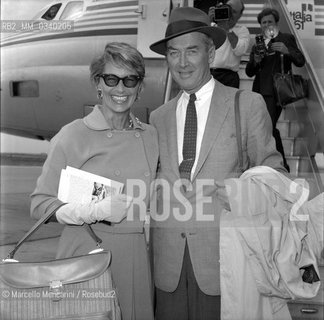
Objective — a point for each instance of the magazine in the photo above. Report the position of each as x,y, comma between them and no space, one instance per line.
79,186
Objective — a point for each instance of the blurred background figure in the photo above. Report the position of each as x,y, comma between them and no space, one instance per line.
264,62
225,14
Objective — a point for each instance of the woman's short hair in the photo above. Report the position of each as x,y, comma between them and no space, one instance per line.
119,54
268,12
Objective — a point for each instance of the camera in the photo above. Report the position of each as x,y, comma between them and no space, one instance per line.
223,12
260,46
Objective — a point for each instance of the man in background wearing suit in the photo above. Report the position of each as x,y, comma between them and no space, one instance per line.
198,150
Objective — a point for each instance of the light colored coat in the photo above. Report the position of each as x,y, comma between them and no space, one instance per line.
90,144
272,243
217,161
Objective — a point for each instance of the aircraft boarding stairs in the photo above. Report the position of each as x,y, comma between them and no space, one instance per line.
301,124
301,127
295,129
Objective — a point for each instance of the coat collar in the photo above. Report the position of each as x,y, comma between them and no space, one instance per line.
96,120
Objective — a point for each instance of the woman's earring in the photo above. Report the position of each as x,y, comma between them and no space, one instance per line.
99,94
138,93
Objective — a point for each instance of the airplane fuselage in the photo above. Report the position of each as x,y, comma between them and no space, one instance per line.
45,72
45,75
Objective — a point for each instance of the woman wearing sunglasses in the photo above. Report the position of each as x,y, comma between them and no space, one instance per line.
113,143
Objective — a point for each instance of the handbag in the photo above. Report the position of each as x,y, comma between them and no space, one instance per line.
289,87
79,287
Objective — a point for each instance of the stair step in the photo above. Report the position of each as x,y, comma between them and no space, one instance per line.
299,165
294,146
283,116
290,128
288,114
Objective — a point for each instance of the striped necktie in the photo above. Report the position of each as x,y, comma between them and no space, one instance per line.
189,140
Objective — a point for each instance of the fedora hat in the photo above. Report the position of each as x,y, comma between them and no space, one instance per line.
185,20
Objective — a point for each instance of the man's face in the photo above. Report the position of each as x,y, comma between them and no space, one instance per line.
267,21
188,58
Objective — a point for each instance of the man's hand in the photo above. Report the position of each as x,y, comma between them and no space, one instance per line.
211,14
257,58
279,47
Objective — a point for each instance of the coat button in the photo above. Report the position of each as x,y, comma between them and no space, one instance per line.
117,172
109,134
183,235
146,174
137,134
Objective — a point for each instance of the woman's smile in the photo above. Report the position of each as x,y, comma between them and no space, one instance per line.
119,99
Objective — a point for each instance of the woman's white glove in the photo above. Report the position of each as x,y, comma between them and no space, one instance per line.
113,208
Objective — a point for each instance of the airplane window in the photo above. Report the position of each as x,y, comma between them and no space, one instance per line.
73,10
26,88
50,14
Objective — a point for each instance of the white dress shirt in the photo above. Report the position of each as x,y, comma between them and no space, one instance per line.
202,104
230,58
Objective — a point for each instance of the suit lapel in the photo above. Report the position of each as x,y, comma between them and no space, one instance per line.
218,110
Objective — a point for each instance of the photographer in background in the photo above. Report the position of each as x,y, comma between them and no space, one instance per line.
265,62
227,60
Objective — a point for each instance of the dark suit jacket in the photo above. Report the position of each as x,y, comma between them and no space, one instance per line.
218,159
263,82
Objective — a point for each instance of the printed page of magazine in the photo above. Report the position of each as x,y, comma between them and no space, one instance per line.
79,186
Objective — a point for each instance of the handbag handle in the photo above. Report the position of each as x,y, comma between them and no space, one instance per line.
282,63
40,222
238,128
33,229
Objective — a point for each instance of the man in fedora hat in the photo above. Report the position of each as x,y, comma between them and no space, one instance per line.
198,150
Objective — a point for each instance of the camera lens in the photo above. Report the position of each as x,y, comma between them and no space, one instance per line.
259,38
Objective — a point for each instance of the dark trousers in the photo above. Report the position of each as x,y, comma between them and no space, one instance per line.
226,76
275,111
187,302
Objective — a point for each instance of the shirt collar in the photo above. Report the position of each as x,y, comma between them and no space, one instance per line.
96,120
204,90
